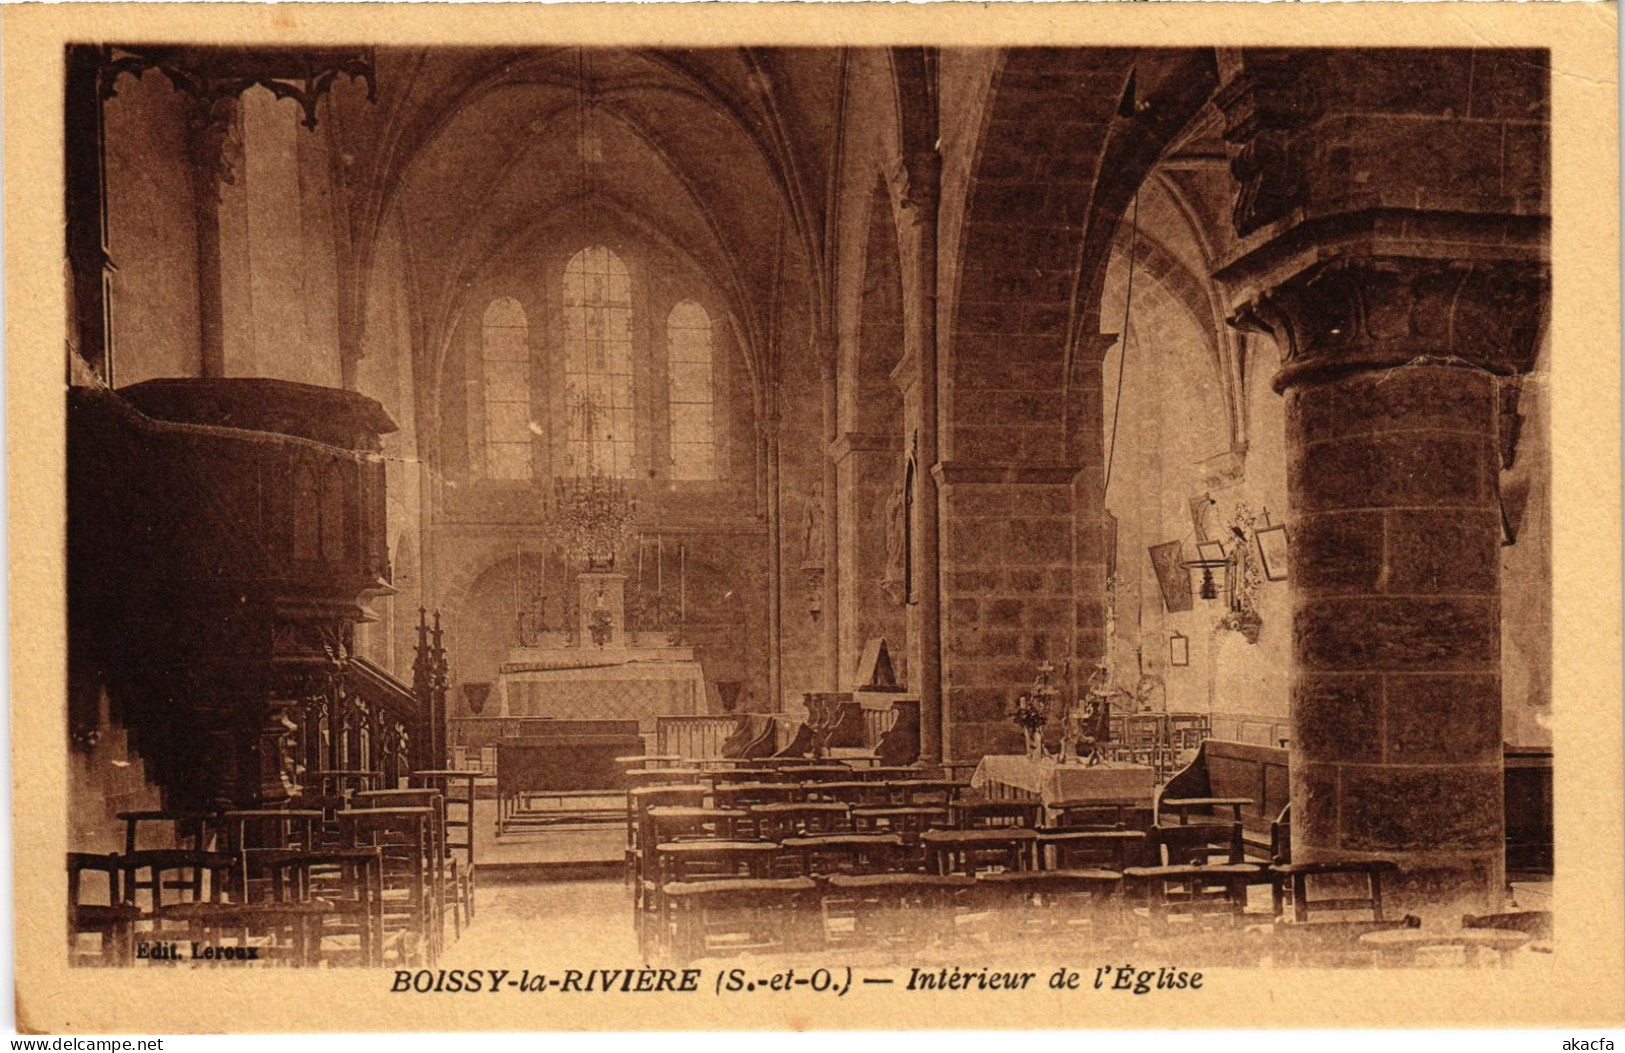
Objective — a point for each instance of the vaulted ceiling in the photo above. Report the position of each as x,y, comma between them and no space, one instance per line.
724,152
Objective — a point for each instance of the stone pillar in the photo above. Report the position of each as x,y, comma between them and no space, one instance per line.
1390,375
923,170
215,145
1393,204
831,552
775,568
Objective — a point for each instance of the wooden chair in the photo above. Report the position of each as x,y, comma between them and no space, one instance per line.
458,793
906,908
349,884
268,932
1043,900
792,818
740,915
249,833
1199,843
1093,849
190,830
755,772
982,814
1187,731
694,861
1100,815
844,853
403,837
443,880
744,794
891,773
639,800
1290,881
109,918
1201,877
176,876
925,791
907,821
969,851
817,772
681,822
847,791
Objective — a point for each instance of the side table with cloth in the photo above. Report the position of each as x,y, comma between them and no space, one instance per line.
1050,781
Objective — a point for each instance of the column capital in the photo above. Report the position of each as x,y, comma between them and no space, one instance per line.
1355,314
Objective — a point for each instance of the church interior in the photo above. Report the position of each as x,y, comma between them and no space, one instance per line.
749,500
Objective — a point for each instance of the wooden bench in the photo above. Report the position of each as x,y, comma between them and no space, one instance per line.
1227,769
1230,772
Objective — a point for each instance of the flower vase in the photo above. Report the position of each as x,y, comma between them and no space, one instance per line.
1035,743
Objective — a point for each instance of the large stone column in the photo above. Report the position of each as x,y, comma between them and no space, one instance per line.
1391,205
923,172
1391,376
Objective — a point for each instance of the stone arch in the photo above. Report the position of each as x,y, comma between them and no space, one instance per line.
1066,138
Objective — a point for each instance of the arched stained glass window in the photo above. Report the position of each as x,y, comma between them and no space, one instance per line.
688,364
505,348
599,435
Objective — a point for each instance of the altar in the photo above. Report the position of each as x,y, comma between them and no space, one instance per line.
605,672
1049,780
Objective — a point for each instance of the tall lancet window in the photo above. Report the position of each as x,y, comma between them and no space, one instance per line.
599,432
688,363
505,349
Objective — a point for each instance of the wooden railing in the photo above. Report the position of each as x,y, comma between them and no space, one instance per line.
693,737
877,720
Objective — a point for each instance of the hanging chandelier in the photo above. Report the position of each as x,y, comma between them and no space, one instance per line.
590,515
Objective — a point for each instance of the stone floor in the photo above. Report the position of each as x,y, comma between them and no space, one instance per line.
588,924
540,848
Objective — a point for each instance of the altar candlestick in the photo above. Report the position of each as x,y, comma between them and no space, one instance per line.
660,566
682,581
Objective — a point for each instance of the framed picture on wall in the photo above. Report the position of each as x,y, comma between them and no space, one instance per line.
1174,579
1272,551
1179,649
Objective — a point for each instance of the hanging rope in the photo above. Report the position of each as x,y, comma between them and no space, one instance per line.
1122,354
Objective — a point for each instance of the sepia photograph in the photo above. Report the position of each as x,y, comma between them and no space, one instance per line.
882,519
